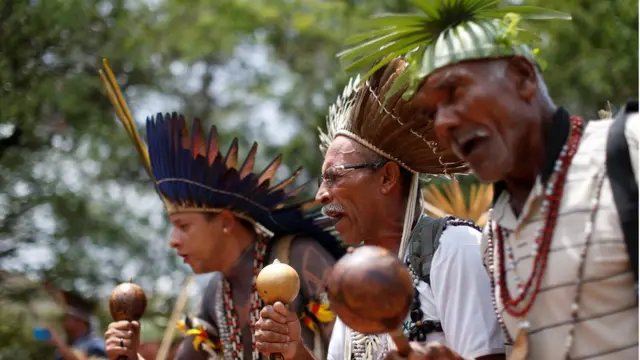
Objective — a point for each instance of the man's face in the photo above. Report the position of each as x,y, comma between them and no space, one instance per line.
349,195
199,241
482,110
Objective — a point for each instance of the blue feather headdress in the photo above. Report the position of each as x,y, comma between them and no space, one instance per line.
192,174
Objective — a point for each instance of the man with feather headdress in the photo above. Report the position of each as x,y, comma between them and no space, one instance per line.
231,221
369,185
561,244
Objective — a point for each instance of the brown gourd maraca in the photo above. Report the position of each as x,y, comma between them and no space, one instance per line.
372,291
278,282
127,302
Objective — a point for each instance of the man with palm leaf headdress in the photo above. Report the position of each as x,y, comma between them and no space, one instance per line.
231,221
561,242
369,185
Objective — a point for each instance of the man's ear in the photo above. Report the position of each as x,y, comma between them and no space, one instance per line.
523,74
390,177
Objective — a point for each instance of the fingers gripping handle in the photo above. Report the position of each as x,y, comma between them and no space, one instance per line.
278,356
401,342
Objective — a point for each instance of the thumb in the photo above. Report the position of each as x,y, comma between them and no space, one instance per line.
280,308
135,327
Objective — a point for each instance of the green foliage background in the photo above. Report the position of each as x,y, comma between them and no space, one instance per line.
76,207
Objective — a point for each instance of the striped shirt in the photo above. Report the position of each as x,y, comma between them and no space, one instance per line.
607,326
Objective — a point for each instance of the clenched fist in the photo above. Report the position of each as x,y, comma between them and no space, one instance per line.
277,331
122,339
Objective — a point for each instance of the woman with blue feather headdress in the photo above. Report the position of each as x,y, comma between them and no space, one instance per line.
232,221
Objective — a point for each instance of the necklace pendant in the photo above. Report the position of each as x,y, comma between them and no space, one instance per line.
520,346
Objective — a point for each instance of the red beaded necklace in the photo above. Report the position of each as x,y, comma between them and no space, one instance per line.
520,305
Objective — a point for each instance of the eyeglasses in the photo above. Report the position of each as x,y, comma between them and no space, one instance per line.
333,174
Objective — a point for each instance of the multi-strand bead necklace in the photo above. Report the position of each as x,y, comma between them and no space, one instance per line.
520,305
230,330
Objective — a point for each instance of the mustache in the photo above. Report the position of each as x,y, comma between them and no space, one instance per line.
335,208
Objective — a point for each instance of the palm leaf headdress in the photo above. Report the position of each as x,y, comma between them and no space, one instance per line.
444,33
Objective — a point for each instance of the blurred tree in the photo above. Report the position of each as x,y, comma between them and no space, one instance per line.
67,172
593,59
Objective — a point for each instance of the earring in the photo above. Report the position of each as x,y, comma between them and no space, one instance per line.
225,230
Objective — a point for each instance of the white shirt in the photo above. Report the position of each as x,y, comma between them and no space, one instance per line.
460,298
607,323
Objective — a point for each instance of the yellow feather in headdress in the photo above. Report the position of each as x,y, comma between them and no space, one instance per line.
450,200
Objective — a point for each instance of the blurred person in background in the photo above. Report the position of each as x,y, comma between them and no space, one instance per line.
81,340
232,221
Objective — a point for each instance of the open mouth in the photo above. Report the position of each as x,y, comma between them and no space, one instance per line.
465,145
335,218
327,221
334,212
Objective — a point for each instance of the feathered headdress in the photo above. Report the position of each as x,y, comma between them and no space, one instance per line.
392,130
444,33
192,174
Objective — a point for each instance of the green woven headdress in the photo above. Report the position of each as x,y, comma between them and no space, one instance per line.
444,33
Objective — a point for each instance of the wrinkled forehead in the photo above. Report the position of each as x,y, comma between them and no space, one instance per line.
343,150
467,69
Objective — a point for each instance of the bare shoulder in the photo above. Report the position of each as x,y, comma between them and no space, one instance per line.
306,252
207,306
312,262
212,286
